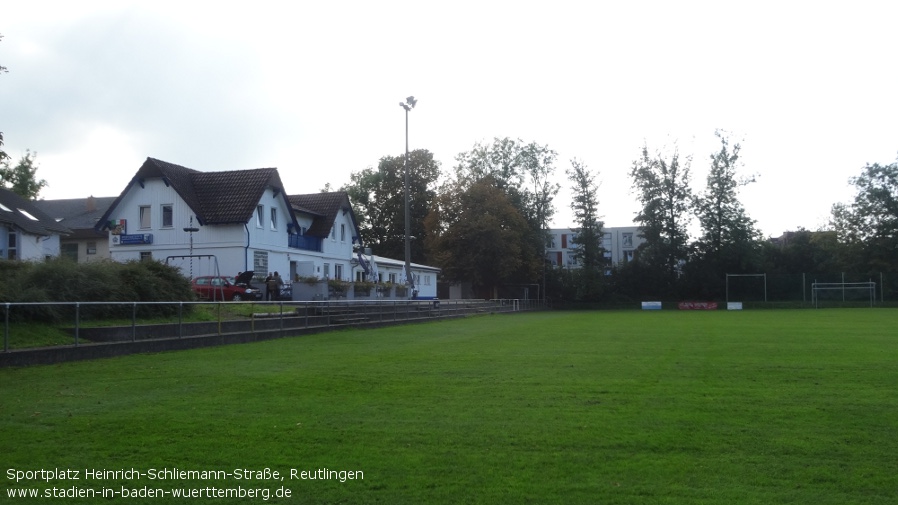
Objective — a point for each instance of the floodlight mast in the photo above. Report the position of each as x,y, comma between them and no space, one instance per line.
408,105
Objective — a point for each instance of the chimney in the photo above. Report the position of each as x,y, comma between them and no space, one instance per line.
91,204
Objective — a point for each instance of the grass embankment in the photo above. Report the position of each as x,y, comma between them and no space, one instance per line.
29,334
600,407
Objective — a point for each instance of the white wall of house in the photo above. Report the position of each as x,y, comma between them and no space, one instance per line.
49,246
158,210
29,247
334,260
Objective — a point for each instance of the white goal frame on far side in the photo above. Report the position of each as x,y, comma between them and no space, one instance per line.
843,286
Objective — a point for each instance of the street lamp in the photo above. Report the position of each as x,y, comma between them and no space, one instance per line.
408,105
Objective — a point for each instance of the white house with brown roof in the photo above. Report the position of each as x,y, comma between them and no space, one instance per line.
26,232
222,223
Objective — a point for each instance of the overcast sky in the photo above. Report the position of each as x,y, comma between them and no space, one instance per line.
313,88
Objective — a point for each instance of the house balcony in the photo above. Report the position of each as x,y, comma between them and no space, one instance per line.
304,242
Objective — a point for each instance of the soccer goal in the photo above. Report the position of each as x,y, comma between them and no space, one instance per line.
746,287
843,292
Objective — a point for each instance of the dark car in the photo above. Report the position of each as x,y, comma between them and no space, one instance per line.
224,288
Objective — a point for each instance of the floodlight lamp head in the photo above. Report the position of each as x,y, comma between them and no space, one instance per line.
411,101
404,106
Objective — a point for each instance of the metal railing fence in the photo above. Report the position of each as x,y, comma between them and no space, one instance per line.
83,323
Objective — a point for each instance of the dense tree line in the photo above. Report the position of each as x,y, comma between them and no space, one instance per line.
485,222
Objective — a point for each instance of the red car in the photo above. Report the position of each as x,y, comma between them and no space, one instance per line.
225,288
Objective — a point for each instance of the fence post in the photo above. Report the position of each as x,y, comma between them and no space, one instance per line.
77,321
133,321
180,319
6,331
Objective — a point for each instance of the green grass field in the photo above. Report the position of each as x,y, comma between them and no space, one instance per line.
753,407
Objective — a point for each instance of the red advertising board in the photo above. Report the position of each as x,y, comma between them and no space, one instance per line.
697,305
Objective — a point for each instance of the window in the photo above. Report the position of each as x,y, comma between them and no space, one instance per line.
334,233
327,270
145,221
274,218
146,256
167,216
628,256
342,233
627,239
92,247
11,246
28,214
260,212
338,272
393,278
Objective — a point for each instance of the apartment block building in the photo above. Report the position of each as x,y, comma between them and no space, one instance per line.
619,244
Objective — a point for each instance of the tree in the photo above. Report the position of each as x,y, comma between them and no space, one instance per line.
588,251
476,234
803,251
522,172
662,187
379,203
869,225
3,155
729,240
22,179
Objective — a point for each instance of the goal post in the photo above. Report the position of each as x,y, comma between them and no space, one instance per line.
761,278
841,291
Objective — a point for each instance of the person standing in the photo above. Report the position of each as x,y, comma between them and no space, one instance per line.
278,285
270,288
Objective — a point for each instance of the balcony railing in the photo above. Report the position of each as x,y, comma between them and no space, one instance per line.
304,242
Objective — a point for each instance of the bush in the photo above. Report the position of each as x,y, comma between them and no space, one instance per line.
62,280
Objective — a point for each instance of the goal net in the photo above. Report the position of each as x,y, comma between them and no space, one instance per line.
843,294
